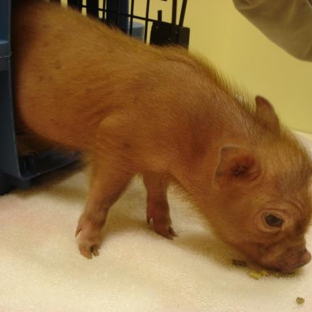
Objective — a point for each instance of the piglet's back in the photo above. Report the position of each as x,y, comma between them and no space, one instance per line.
70,71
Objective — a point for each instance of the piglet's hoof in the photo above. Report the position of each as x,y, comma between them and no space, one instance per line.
89,241
88,250
163,227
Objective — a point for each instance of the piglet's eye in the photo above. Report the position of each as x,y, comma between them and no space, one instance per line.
273,221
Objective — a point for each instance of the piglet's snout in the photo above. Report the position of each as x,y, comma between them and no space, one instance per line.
302,258
305,258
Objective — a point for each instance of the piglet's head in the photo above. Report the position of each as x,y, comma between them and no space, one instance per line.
263,199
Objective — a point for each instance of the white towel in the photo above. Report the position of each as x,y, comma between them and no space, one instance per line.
41,269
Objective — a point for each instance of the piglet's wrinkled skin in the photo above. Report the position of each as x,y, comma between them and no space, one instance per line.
169,116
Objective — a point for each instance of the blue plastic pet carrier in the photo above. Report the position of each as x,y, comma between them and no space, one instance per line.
20,171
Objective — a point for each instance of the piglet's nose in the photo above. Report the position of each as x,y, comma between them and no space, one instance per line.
305,258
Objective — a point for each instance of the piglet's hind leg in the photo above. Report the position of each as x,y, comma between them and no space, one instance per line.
157,204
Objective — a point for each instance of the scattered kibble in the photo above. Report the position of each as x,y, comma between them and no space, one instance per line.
255,275
300,300
264,273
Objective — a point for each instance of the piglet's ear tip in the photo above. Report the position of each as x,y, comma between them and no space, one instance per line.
266,113
260,100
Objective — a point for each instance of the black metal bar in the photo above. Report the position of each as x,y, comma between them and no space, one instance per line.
146,19
117,11
136,17
131,17
182,14
174,20
111,11
174,12
75,3
159,15
93,7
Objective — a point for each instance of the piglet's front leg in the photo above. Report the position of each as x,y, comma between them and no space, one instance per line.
106,186
157,204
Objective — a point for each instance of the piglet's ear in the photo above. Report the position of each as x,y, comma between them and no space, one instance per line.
266,113
236,166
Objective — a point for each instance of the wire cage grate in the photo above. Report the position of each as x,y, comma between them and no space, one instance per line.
121,13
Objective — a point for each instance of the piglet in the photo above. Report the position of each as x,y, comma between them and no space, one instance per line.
169,116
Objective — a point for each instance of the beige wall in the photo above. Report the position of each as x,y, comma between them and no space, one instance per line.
219,32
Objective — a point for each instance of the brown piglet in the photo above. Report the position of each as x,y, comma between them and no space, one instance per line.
169,116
